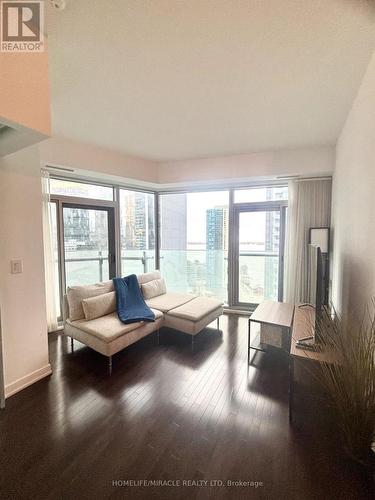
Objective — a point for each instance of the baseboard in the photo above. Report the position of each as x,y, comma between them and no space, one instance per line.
27,380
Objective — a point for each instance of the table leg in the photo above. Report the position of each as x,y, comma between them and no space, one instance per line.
248,342
291,388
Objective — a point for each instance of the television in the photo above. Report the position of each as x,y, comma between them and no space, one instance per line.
315,295
316,279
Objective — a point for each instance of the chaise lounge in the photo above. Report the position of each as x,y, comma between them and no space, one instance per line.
90,314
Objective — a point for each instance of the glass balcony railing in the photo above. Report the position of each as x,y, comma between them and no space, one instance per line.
92,267
137,261
203,272
258,277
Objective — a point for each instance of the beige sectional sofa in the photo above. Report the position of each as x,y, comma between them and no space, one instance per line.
90,314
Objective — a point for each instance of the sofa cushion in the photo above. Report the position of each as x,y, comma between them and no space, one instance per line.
110,348
75,295
196,309
153,288
169,301
146,277
101,305
189,326
109,327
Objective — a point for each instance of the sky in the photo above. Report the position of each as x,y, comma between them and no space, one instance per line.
197,205
252,225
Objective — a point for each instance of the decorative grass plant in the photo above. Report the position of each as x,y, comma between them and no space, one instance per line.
350,380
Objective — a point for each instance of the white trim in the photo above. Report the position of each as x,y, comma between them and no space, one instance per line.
27,380
97,178
111,180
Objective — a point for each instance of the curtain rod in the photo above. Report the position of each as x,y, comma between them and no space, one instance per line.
305,179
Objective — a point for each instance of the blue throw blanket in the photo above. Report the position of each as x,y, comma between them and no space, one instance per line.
131,306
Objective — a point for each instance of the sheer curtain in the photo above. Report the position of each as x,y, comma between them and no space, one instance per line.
49,260
309,205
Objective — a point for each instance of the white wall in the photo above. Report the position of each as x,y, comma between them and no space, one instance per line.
104,163
353,210
100,164
22,296
302,161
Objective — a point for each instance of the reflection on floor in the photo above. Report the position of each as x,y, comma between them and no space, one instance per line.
167,413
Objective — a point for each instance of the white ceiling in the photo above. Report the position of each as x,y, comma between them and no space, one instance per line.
176,79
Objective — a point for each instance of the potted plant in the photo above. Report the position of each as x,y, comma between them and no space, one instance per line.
350,380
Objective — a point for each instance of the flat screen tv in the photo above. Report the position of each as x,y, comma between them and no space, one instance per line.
315,294
315,279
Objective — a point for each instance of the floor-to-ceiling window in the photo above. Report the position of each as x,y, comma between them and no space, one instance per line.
259,231
99,232
194,242
201,241
138,231
83,233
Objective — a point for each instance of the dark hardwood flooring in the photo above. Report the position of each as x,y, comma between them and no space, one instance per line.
168,413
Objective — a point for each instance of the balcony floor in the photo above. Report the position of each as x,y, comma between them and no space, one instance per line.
167,412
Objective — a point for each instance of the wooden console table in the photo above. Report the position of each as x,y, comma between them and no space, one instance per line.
290,323
276,318
304,326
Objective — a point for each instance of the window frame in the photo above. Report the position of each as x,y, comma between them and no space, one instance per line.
112,257
115,204
62,201
262,206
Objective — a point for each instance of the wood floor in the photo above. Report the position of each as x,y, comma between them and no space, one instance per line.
167,413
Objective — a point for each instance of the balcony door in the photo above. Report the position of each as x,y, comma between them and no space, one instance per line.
259,252
88,243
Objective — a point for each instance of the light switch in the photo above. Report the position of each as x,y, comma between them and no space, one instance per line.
16,266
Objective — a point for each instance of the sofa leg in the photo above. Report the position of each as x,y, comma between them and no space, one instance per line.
192,342
218,323
72,344
158,336
110,365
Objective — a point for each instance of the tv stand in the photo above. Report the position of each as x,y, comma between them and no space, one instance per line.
304,326
289,323
275,320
